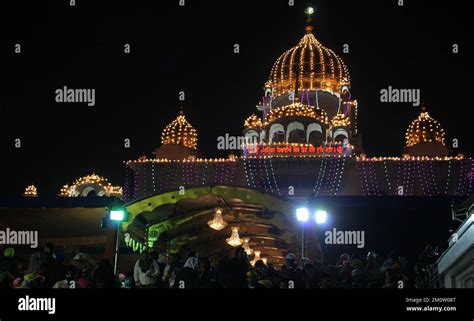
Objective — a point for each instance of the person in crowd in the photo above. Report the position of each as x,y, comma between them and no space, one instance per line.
428,256
292,275
344,267
103,275
8,263
188,277
54,269
357,274
82,262
83,280
39,257
311,276
393,270
68,282
155,256
372,271
236,270
146,271
162,263
169,274
207,274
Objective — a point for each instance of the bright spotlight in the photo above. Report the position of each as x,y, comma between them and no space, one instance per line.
321,217
302,214
117,215
309,11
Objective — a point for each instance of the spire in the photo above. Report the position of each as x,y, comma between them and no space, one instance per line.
423,107
309,21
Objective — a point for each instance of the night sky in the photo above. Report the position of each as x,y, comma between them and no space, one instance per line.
191,48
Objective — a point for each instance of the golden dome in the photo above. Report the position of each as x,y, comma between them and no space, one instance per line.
298,109
424,129
180,132
340,120
253,122
308,66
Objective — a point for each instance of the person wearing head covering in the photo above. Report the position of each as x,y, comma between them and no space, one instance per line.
8,263
372,271
146,271
188,277
68,282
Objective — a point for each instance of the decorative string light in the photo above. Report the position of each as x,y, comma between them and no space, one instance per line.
297,109
340,120
253,122
424,129
180,132
448,178
308,61
30,191
109,190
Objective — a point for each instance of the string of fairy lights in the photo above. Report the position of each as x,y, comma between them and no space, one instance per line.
387,177
180,132
289,73
297,109
31,191
424,129
463,178
322,171
415,176
448,178
88,180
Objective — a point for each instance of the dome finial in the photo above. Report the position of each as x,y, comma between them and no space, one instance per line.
309,21
423,107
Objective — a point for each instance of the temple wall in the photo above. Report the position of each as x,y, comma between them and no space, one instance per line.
302,177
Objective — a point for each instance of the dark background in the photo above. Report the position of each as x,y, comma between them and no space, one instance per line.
191,48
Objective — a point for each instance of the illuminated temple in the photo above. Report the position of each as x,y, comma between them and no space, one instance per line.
304,141
301,142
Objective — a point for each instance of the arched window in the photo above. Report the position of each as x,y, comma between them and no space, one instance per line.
314,134
277,133
252,137
339,135
295,133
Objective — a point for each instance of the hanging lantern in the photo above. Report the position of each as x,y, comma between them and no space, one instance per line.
218,222
256,257
246,246
265,259
234,239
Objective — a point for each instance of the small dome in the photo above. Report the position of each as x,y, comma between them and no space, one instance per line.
31,191
340,120
424,129
180,132
308,66
83,185
299,110
253,122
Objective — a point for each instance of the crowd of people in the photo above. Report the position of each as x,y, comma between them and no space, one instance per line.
47,268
